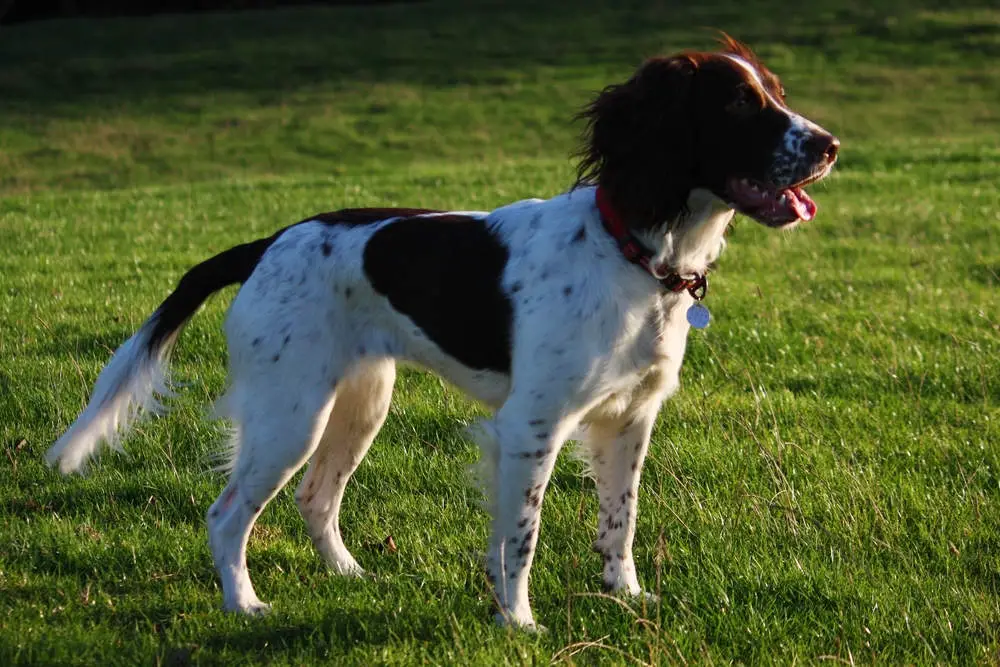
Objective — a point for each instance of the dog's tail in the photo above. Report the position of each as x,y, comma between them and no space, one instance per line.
138,372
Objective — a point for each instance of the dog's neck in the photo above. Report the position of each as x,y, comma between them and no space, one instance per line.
689,244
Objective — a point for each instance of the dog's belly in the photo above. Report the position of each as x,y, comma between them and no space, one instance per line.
487,387
416,348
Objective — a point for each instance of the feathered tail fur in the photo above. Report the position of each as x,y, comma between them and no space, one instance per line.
137,375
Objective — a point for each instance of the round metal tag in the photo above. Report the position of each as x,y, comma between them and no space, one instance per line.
698,316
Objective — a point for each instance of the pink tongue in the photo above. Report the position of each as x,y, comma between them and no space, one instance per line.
801,203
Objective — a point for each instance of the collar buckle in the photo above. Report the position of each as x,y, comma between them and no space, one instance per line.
697,287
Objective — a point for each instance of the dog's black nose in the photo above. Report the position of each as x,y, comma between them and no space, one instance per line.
823,147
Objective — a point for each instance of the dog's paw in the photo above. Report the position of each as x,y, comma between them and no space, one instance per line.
525,625
349,569
632,594
253,608
645,596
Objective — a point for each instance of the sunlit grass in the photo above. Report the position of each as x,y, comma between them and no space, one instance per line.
825,485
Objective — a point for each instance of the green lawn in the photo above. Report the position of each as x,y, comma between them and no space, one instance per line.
826,485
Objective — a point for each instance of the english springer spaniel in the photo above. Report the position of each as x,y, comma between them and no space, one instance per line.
568,316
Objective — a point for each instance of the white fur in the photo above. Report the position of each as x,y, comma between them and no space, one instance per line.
128,386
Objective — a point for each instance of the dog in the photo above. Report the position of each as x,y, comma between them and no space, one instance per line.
567,316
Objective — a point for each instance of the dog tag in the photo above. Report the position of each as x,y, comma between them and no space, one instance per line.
698,316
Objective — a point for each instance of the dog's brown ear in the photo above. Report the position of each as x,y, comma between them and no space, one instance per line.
639,141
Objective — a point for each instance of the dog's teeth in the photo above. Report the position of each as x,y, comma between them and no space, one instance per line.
783,199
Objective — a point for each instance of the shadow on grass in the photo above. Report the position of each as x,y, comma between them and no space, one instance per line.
336,631
171,60
83,343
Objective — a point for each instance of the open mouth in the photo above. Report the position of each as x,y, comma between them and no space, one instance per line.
774,207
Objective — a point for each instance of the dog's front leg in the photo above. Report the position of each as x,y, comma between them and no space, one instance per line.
524,449
616,451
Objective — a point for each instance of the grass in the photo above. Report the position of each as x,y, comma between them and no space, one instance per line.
826,486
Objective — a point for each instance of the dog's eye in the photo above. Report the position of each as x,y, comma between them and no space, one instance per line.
743,101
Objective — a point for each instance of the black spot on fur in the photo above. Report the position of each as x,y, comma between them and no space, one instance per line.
580,235
444,273
275,358
255,342
288,337
567,290
326,248
522,523
536,422
347,292
516,287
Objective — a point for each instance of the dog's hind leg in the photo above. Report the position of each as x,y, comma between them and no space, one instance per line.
278,418
362,404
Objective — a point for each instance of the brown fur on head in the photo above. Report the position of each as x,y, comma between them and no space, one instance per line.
693,120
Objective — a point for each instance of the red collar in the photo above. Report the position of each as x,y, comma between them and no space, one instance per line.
635,252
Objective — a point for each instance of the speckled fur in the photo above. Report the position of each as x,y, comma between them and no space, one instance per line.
313,346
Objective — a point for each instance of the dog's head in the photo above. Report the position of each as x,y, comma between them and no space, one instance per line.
712,121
